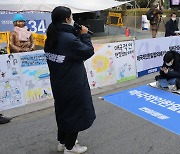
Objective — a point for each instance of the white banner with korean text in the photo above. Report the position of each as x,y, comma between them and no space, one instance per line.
150,52
124,61
111,63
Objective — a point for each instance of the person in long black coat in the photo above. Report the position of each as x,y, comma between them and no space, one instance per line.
66,53
171,26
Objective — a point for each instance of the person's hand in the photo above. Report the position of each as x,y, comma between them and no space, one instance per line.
84,30
165,70
162,69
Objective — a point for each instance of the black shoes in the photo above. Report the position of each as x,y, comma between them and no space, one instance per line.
4,120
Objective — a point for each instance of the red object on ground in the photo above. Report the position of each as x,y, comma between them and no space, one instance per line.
127,32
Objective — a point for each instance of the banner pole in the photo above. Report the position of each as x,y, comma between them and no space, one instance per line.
135,20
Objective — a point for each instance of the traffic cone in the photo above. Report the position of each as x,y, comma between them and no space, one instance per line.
127,31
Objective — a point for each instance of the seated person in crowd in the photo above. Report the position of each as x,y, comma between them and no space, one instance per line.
170,71
171,26
21,39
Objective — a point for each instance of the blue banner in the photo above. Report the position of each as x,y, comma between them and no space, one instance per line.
36,26
148,71
36,21
155,105
33,60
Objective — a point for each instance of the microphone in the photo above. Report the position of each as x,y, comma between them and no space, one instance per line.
77,26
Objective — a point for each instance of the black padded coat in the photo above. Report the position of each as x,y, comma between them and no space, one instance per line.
73,102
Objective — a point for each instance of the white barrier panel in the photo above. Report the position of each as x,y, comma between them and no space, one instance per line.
11,91
35,76
150,52
124,61
100,68
25,76
112,63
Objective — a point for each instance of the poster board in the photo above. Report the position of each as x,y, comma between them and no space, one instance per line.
111,63
35,75
100,67
11,91
124,61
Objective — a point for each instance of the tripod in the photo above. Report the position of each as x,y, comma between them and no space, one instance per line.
159,22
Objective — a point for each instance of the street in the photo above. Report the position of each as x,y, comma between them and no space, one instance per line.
115,131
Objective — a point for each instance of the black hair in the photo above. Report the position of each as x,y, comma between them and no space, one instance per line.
58,15
168,57
172,14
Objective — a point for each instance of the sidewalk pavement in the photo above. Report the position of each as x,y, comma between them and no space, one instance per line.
115,34
115,131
